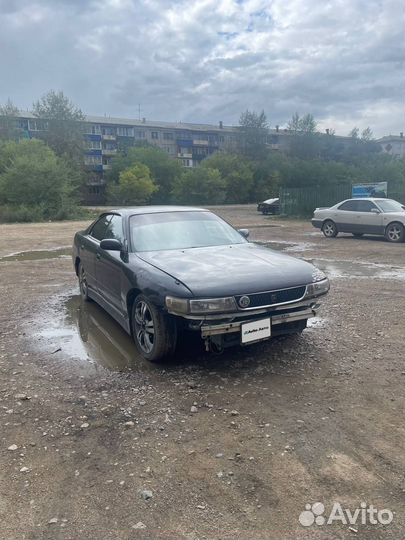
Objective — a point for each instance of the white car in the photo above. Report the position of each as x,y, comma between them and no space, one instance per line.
384,217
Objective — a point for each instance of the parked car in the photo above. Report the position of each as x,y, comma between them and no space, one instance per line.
160,270
384,217
269,206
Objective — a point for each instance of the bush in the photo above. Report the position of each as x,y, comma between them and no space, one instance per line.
35,184
135,186
199,186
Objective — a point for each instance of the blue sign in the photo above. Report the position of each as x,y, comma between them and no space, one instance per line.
378,189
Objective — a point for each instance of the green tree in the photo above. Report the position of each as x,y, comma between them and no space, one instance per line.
63,120
8,114
237,173
135,186
32,175
354,133
304,140
164,170
253,134
199,186
367,134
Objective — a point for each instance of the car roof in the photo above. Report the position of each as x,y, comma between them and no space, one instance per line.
153,210
368,199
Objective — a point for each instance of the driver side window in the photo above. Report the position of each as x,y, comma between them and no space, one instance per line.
99,230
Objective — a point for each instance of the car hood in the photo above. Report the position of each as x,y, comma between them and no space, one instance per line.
229,270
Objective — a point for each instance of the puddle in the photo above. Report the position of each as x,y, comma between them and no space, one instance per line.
349,269
84,331
287,246
37,255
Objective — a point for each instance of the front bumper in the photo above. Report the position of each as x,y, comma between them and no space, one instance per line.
216,329
317,223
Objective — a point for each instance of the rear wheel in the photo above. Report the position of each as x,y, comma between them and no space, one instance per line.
154,333
329,229
84,288
395,232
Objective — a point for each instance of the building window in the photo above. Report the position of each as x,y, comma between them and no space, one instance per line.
125,131
93,145
37,125
155,135
139,134
92,160
168,136
94,129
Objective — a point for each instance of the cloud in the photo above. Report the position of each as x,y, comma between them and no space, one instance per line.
208,60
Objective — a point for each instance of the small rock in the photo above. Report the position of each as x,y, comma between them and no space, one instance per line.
53,521
12,447
21,397
24,469
219,455
201,506
129,424
331,409
146,494
84,425
193,409
139,525
234,413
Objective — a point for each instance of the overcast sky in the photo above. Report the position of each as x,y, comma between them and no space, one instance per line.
208,60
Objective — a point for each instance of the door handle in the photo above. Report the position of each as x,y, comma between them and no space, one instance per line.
98,256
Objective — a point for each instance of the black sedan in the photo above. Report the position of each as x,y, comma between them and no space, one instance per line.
160,270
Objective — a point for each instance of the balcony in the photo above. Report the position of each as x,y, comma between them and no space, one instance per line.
108,137
106,167
184,155
109,151
200,142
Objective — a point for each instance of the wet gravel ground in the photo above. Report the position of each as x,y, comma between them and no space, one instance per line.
97,443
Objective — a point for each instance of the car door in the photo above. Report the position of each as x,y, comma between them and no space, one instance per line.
109,266
369,218
88,249
345,216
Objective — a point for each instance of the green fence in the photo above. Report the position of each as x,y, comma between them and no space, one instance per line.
303,201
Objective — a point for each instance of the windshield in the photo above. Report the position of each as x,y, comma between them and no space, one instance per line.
387,205
180,230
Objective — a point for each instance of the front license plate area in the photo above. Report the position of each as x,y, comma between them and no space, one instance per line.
256,330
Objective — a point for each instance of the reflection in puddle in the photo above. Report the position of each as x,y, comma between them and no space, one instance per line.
86,332
37,255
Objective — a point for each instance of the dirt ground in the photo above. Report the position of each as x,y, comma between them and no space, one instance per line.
97,443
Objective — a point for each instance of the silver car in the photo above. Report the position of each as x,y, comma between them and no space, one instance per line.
384,217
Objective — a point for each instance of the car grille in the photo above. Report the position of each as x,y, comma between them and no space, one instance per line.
270,298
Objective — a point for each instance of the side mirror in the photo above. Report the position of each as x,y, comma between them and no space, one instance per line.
111,244
244,232
375,211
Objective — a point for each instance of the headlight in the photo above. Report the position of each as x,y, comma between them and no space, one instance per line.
207,305
215,305
176,305
317,288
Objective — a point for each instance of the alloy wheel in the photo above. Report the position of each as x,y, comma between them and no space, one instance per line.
83,283
144,326
394,233
329,229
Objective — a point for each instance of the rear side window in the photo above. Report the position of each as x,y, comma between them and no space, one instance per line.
115,229
348,206
365,206
99,229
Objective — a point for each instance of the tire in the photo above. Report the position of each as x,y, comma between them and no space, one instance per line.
329,229
84,288
395,232
154,333
357,234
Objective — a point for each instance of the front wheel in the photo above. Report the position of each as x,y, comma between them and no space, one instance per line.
154,333
395,232
84,287
329,229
